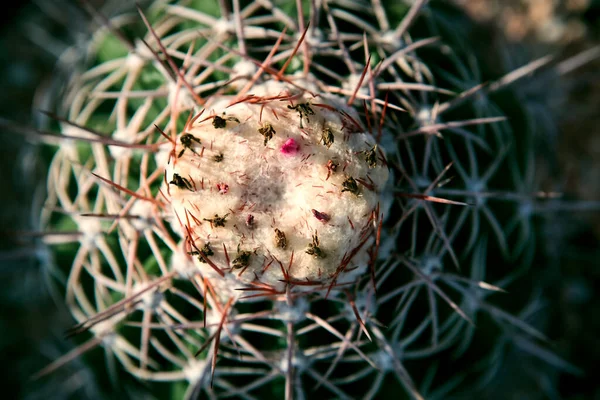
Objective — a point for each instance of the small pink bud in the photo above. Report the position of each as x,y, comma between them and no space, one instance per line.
223,187
290,147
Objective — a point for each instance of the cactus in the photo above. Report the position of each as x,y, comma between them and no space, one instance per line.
261,198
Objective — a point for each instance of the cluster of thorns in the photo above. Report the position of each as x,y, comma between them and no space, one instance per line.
372,157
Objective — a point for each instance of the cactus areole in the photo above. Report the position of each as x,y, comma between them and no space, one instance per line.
257,187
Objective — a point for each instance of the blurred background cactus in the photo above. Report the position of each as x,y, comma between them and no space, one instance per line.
470,251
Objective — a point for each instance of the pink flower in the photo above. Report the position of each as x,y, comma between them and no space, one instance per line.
290,147
223,187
